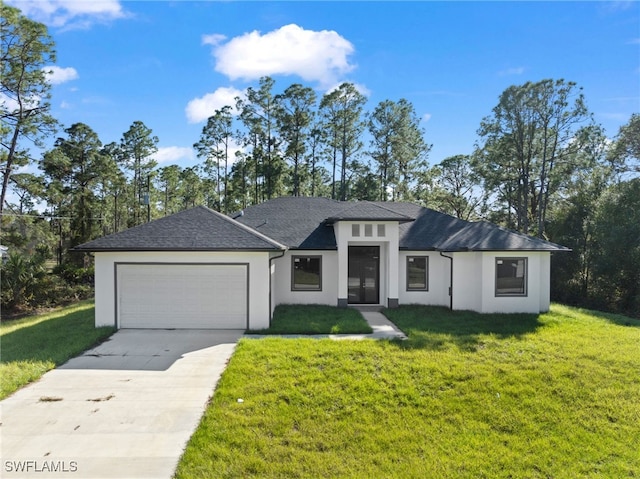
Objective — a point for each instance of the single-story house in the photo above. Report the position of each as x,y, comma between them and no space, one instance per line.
205,270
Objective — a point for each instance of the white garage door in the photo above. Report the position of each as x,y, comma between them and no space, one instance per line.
187,296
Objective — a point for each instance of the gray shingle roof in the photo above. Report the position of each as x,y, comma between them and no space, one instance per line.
484,236
306,223
296,222
368,211
196,229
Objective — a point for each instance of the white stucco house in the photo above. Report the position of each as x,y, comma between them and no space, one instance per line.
204,270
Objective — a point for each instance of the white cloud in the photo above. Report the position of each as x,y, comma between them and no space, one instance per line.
199,109
360,88
426,117
320,56
71,13
57,75
9,104
171,154
512,71
233,149
213,39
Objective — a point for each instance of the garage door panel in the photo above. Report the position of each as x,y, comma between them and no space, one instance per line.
211,296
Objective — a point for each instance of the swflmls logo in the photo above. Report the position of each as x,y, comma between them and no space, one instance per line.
40,466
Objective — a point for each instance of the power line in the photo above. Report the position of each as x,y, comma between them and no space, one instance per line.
52,217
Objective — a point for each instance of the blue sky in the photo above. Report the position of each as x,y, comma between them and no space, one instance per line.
171,64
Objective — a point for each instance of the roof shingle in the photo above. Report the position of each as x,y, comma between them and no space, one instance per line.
302,223
196,229
305,223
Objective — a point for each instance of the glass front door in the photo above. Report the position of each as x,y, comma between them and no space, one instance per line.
364,274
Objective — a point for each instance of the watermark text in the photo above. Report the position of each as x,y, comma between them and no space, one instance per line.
48,466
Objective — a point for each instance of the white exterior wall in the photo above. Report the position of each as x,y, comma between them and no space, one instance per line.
258,278
438,280
281,280
474,282
467,279
545,282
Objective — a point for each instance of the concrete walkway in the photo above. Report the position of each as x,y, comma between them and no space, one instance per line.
382,328
125,409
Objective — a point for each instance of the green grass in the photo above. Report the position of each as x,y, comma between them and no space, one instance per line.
315,319
31,346
466,396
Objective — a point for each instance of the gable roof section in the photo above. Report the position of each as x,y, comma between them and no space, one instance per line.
368,211
429,230
298,222
196,229
484,236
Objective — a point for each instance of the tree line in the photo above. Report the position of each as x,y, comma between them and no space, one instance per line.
540,166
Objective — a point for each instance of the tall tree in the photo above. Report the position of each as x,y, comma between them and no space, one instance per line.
316,140
625,155
531,139
191,187
29,189
213,147
75,166
382,128
239,183
617,239
27,49
258,112
342,111
294,119
138,145
398,147
459,188
169,185
114,191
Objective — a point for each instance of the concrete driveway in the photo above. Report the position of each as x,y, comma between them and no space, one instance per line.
124,409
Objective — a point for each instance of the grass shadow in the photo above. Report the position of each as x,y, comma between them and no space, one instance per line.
57,339
315,319
434,327
33,345
614,318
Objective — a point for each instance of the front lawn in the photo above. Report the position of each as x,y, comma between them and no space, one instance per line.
315,319
466,396
33,345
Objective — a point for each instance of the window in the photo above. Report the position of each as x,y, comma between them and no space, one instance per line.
381,231
368,230
355,230
417,273
511,276
306,274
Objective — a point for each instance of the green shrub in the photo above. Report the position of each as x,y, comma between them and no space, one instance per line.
26,285
21,278
75,275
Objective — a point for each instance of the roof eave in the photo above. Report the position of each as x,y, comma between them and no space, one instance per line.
139,250
330,221
503,250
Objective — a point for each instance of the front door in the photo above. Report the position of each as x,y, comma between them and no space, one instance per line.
364,274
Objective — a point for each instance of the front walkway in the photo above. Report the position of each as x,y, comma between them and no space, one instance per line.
382,328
